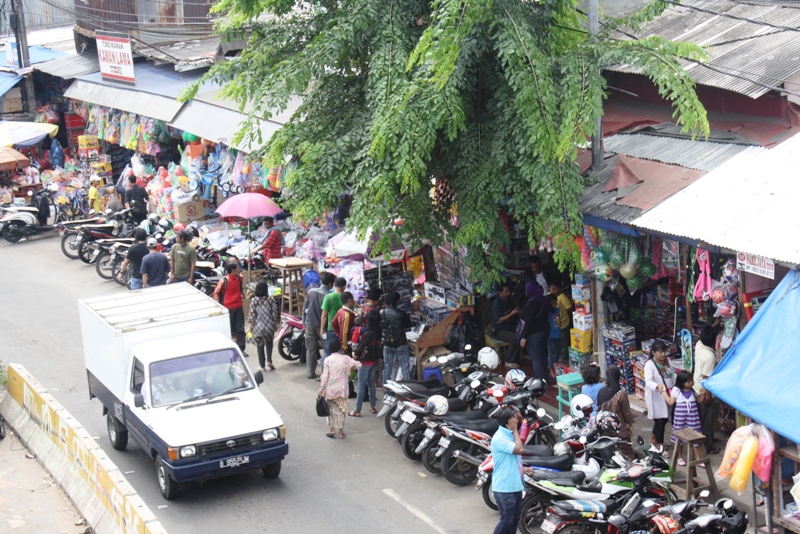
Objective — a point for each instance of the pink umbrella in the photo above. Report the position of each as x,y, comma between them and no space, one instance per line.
249,206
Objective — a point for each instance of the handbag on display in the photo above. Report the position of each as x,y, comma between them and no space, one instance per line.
322,407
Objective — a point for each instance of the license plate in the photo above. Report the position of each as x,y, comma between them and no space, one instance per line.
548,527
388,399
234,462
430,433
444,443
408,417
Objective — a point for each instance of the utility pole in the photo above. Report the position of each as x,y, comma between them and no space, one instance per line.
597,138
23,55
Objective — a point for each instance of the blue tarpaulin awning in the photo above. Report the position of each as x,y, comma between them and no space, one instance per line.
758,375
7,81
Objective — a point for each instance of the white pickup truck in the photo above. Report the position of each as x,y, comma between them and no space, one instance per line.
162,362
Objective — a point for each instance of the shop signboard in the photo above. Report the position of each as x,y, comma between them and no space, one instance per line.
750,263
115,56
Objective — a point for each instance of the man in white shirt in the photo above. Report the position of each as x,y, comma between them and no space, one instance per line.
704,362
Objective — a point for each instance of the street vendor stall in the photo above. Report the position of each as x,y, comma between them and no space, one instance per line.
758,377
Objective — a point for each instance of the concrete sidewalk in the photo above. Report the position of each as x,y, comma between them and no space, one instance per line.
30,500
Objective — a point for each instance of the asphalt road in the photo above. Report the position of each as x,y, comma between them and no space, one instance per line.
359,484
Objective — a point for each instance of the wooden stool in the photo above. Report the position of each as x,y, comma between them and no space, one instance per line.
501,347
690,440
292,288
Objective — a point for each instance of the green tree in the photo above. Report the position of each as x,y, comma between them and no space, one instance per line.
439,113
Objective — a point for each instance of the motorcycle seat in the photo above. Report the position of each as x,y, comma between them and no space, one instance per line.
419,389
536,450
456,405
606,506
488,426
459,417
575,477
562,462
594,485
430,383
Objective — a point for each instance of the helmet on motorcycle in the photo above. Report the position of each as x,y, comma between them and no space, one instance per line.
561,449
179,227
153,218
437,405
165,224
537,386
488,358
725,506
581,406
193,231
515,378
608,421
665,524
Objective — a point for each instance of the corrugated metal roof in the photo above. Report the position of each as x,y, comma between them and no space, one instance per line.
71,66
700,155
748,204
745,57
131,100
194,52
603,204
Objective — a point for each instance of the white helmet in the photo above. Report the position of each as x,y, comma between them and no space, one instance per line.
581,406
437,405
488,358
561,449
515,378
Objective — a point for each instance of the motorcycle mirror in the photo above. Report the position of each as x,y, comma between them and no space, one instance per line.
474,384
108,212
704,494
559,425
498,393
540,413
582,439
30,193
433,359
467,347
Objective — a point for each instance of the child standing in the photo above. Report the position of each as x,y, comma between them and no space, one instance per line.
686,414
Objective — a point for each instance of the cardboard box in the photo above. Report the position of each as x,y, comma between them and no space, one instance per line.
582,321
436,292
579,360
88,153
88,141
14,92
582,279
11,105
581,341
190,211
620,332
581,293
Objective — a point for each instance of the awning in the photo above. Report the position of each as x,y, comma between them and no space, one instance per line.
147,104
71,66
7,81
748,204
220,124
346,245
766,354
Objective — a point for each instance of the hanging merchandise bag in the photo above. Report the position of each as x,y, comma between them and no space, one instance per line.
741,472
762,465
732,451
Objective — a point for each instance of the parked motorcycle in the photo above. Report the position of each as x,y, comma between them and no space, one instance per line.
118,225
291,329
25,221
69,235
108,256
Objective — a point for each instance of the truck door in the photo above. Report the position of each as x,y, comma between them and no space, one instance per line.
136,418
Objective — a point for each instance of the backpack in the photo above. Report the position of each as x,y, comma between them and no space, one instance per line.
393,333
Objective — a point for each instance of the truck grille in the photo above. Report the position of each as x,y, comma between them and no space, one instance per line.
242,442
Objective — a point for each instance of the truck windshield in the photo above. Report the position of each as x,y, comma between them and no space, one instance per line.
199,375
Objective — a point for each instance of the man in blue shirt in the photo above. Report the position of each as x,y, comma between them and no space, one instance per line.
507,475
504,326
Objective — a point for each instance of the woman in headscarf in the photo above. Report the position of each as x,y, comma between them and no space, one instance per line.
615,399
535,328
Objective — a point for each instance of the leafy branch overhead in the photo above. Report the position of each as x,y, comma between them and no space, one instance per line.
439,113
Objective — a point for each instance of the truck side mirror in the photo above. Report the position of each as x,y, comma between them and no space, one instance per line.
259,378
138,400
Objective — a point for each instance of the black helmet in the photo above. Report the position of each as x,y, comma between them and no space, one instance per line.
608,422
536,386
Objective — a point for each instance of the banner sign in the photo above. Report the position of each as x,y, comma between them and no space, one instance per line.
116,58
750,263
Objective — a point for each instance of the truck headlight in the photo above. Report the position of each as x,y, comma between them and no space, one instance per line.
271,434
188,451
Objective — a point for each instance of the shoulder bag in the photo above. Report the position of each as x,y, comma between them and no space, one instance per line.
322,407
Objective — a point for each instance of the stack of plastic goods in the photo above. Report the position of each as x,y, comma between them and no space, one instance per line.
620,342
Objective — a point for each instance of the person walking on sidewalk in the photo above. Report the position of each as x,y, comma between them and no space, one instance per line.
134,257
368,352
312,321
229,293
331,304
704,362
182,258
155,265
335,388
264,317
394,323
659,378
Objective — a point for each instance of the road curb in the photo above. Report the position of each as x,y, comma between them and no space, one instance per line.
87,475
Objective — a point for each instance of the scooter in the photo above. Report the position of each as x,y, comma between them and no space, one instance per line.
25,221
291,328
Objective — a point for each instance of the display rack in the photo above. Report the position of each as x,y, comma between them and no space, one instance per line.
791,453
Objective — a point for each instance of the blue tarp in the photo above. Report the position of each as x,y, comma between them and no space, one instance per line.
7,81
760,373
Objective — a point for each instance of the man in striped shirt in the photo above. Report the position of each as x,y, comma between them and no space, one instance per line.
344,321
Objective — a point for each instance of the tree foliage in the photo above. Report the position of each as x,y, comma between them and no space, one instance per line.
439,112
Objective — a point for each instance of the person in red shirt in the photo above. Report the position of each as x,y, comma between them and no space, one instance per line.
344,320
271,246
229,293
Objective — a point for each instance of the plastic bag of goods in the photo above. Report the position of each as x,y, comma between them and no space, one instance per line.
762,465
732,450
744,464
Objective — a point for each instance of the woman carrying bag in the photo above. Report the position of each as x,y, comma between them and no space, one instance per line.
263,318
335,388
659,377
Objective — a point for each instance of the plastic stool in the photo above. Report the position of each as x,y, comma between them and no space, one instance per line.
569,385
432,371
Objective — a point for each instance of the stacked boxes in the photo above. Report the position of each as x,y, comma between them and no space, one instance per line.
581,334
578,360
639,359
620,343
581,340
88,147
581,293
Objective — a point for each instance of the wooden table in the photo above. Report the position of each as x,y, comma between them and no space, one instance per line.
292,288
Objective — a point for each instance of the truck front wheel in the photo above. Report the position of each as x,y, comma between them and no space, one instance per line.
168,487
272,470
117,433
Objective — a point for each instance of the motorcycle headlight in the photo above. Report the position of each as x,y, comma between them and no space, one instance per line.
188,451
271,434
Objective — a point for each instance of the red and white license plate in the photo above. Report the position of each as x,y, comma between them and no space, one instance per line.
548,527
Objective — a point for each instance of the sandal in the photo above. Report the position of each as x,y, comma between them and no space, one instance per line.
681,462
271,366
354,413
331,435
372,409
342,435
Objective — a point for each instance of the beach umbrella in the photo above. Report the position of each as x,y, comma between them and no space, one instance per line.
25,134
